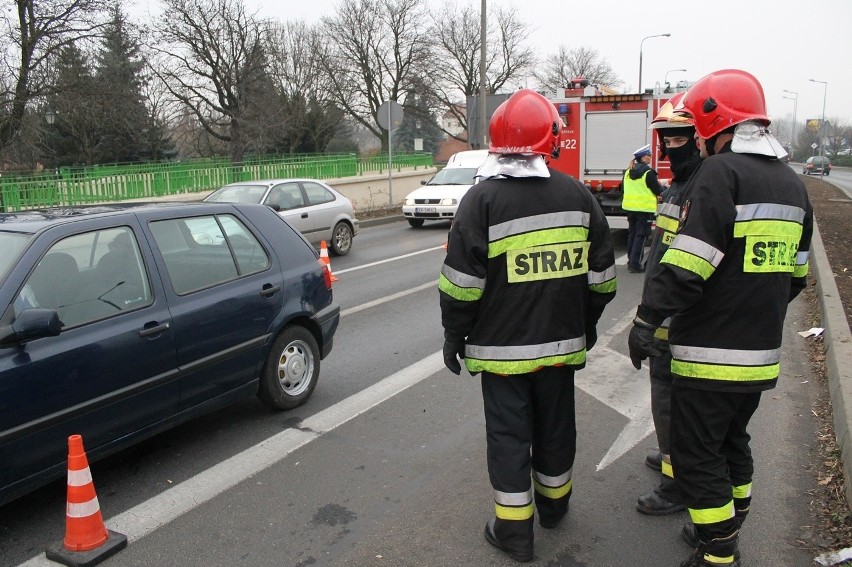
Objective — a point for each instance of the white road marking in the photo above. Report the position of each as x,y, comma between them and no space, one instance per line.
394,259
147,517
376,302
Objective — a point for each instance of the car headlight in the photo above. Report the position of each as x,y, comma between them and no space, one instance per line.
448,201
409,201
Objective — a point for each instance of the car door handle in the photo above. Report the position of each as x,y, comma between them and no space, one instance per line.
269,290
155,330
304,215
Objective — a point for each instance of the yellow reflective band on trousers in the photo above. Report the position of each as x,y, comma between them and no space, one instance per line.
667,469
725,372
456,292
743,491
523,366
513,512
552,492
688,262
716,560
547,262
538,238
712,515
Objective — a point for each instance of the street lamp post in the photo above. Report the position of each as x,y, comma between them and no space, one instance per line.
822,122
795,115
50,118
483,94
666,76
640,55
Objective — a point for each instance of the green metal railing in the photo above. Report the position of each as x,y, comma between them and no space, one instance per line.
118,182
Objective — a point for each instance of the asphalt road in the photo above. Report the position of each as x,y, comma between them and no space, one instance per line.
385,465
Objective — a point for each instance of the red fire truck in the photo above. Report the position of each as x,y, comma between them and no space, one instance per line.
600,132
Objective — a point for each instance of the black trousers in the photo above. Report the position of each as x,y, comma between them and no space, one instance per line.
661,411
711,455
530,432
638,229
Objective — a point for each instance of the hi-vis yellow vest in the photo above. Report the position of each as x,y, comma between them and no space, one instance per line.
637,196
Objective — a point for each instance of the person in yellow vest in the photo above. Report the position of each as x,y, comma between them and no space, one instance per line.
641,187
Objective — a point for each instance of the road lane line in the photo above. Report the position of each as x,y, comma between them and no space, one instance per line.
156,512
394,259
376,302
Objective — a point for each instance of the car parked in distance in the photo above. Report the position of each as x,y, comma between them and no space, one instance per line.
120,321
817,164
439,197
310,206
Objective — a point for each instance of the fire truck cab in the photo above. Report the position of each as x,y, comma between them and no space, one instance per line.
600,131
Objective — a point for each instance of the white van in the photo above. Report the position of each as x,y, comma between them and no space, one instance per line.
439,197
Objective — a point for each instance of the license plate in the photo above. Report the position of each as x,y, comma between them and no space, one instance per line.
425,210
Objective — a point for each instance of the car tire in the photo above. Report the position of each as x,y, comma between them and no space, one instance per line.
341,239
415,223
291,370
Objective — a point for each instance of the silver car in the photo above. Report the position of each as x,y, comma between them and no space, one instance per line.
310,206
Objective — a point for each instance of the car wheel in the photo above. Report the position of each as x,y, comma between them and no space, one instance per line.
341,239
415,223
291,371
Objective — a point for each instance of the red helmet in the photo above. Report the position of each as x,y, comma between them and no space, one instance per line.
723,99
668,118
526,123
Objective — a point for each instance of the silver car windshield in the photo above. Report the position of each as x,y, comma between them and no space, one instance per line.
238,194
454,176
11,243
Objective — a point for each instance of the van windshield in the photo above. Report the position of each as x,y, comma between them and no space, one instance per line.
454,176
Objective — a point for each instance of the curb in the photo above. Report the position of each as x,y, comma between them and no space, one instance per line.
838,353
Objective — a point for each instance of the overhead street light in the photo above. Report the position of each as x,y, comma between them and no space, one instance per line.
666,76
640,55
795,100
822,122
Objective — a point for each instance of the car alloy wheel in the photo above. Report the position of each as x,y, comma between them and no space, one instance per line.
341,239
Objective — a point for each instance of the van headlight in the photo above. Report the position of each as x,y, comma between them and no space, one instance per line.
448,201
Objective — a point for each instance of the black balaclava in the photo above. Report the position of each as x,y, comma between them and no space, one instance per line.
684,159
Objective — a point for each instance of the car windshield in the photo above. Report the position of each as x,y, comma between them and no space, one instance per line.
238,194
454,176
11,243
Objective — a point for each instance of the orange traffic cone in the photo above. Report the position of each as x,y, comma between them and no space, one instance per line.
325,259
87,541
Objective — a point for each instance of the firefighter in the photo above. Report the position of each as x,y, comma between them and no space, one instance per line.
529,268
739,256
641,187
677,143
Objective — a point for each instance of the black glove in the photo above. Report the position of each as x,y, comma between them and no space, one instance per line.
453,351
642,342
591,337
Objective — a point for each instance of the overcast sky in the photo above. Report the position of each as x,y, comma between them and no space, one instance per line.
784,43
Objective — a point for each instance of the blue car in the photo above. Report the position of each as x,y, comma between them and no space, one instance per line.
121,321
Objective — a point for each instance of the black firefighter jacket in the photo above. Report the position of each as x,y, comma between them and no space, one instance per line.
739,256
529,269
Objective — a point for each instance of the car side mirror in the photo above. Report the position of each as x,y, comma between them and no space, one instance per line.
31,324
275,207
423,182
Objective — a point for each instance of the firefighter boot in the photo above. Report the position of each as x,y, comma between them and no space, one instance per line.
718,552
512,537
551,510
654,460
690,537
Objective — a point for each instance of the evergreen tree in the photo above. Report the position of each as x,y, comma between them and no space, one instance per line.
417,122
76,131
125,119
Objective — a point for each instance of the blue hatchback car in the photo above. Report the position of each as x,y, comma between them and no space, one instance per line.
120,321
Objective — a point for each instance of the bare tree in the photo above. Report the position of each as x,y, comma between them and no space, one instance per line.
35,31
567,64
456,72
379,50
211,58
